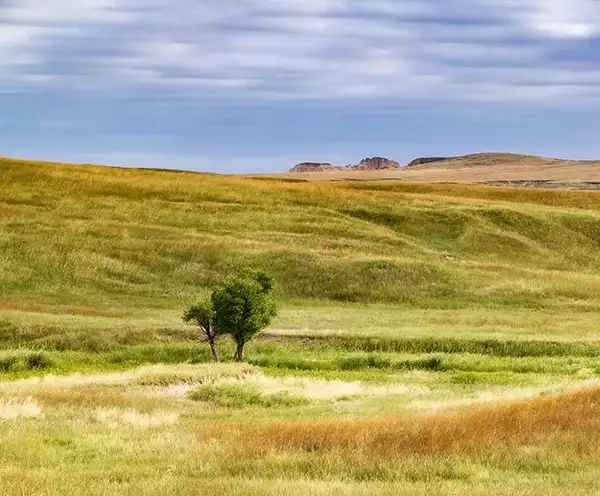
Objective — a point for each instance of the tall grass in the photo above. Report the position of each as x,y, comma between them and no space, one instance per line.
492,347
105,238
96,263
569,422
23,360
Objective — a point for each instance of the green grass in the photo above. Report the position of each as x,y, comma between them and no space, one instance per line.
403,305
23,360
493,347
105,240
242,395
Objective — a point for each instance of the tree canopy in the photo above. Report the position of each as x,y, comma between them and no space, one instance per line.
202,315
244,305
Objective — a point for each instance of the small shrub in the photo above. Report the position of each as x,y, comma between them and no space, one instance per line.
227,395
292,363
161,376
282,399
429,363
489,378
371,361
241,395
23,360
464,378
37,360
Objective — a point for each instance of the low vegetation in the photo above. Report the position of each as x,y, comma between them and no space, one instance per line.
242,395
23,360
431,338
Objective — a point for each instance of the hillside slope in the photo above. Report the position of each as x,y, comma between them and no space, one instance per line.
503,159
102,237
477,168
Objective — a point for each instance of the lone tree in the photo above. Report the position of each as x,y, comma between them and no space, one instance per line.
202,315
244,306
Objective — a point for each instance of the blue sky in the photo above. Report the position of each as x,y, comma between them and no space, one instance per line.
258,85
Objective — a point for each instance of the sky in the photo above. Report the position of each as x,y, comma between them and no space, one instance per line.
240,86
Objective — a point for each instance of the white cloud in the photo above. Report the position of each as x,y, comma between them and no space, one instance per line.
29,28
558,18
64,12
300,50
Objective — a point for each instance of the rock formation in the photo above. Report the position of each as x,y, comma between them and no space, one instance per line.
313,167
375,163
428,160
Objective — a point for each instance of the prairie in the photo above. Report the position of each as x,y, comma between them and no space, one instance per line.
433,338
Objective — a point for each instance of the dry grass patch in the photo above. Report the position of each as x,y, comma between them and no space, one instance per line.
569,422
98,396
320,389
190,374
132,417
13,408
147,387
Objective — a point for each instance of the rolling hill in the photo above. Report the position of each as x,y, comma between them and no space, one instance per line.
432,337
98,237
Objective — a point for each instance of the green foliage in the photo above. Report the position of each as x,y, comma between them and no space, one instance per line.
243,394
244,306
166,353
488,378
295,360
490,347
202,315
266,281
22,360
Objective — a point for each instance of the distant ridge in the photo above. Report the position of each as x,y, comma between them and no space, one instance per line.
471,160
489,159
373,163
427,160
312,167
493,168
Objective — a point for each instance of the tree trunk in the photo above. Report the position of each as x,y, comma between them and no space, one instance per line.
213,349
239,353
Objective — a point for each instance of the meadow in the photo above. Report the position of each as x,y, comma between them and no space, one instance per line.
433,338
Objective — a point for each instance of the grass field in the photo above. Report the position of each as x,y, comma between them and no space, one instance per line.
433,338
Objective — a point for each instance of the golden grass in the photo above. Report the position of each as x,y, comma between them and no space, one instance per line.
12,408
115,417
103,259
97,241
31,307
98,396
112,437
569,422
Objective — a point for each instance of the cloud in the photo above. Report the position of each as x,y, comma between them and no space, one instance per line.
31,30
64,12
566,19
305,50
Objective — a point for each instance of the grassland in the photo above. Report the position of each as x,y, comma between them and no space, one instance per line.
433,338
